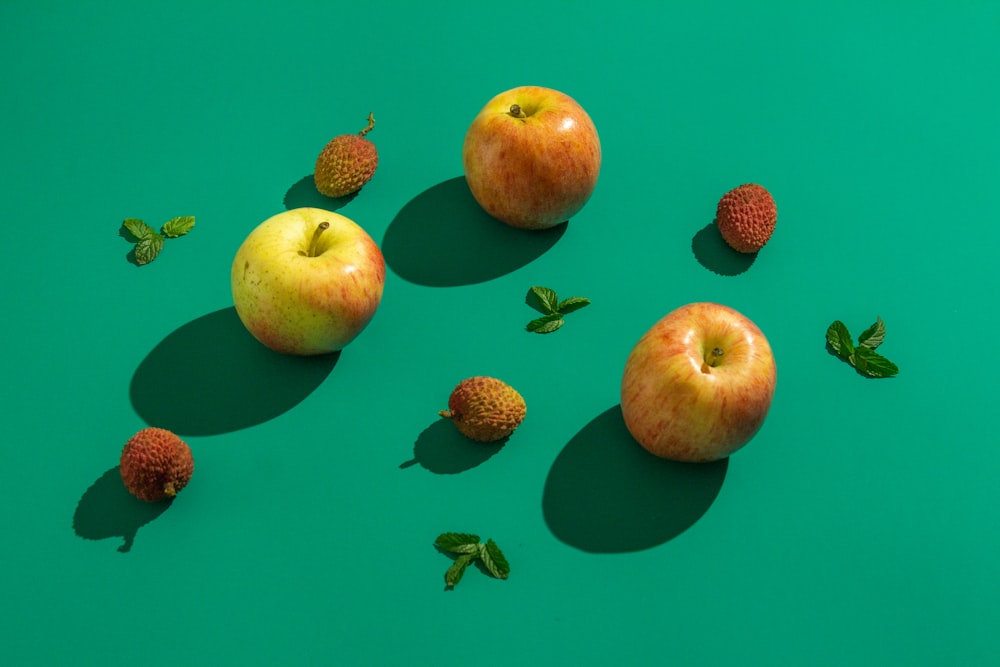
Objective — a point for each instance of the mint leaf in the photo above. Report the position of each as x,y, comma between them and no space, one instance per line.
457,569
178,226
458,543
546,324
553,309
572,303
494,560
873,336
839,339
138,229
873,364
148,248
547,297
470,549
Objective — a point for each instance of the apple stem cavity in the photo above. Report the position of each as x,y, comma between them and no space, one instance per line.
371,124
322,227
712,359
516,111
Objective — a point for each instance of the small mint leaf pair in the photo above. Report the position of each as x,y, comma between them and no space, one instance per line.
863,355
547,302
149,242
469,549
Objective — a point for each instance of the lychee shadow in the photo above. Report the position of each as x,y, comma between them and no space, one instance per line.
108,510
303,194
442,449
712,252
444,238
211,376
606,494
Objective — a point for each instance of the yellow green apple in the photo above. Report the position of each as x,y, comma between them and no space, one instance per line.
307,281
531,157
698,385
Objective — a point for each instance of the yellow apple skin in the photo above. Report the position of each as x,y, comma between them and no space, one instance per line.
535,171
680,406
299,304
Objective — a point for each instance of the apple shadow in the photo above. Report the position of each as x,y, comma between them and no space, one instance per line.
606,494
303,194
108,510
443,450
212,376
444,238
712,252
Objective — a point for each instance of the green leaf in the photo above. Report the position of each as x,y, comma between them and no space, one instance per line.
138,229
457,569
873,336
547,324
572,303
178,226
873,364
839,339
148,248
547,297
494,560
458,543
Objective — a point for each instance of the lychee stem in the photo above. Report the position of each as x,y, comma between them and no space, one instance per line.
516,111
445,413
322,227
371,124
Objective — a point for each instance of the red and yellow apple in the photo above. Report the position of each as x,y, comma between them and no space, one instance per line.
307,281
698,385
531,157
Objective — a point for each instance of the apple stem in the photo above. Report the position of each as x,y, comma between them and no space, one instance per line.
516,111
371,124
322,227
714,357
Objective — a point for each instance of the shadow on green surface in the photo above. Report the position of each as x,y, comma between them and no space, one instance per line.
443,238
211,376
303,194
712,252
606,494
443,450
108,510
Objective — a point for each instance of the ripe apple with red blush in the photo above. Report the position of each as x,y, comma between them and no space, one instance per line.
532,157
698,385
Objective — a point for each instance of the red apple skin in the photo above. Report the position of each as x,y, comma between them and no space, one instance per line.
537,171
306,305
680,407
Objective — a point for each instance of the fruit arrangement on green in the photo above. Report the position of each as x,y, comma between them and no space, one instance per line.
696,387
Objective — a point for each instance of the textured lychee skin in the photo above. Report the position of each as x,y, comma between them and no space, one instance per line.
344,165
746,217
156,464
485,409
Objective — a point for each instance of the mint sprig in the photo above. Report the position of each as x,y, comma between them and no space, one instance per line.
149,242
469,550
546,301
862,356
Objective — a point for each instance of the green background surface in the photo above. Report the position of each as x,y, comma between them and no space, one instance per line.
858,527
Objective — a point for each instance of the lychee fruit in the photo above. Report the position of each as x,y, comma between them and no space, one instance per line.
156,464
746,217
346,163
485,409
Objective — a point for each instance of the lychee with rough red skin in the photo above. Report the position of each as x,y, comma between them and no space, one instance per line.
346,163
156,464
485,409
746,217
